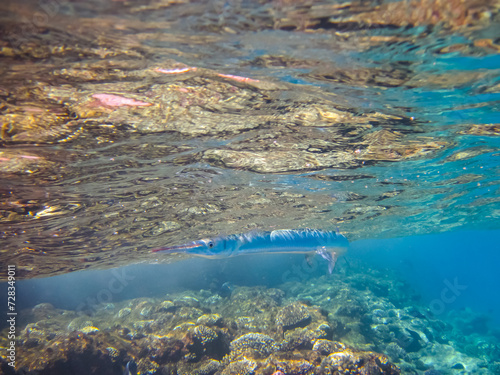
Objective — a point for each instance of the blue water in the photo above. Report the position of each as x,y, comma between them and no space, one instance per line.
86,196
466,260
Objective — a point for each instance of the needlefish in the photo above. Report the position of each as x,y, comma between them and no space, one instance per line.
330,245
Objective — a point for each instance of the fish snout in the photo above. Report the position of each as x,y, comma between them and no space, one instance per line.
186,248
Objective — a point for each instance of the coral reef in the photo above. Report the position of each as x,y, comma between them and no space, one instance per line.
291,316
257,342
376,311
338,324
255,331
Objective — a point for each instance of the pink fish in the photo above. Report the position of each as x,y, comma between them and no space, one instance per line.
111,100
32,109
238,78
175,71
21,156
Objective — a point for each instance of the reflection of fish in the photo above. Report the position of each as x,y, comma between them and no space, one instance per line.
130,368
330,245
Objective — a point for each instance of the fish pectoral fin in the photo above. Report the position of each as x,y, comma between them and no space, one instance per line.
330,256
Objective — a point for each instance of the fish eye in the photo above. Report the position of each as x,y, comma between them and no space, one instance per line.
210,244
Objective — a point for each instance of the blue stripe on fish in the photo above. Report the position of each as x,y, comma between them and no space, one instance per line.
330,245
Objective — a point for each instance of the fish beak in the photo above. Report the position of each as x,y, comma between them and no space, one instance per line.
186,248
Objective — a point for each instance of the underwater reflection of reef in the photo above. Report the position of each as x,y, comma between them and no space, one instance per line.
140,125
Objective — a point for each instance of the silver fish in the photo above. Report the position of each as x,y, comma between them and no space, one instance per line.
329,244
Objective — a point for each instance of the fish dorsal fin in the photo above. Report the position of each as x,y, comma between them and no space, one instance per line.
284,234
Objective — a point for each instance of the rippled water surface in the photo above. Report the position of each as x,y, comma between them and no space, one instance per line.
126,125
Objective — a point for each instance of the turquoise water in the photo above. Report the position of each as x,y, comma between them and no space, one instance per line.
126,126
468,259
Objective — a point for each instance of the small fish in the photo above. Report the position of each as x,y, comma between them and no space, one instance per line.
112,100
238,78
330,245
175,70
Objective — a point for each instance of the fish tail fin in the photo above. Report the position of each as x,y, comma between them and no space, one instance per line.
329,256
332,261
